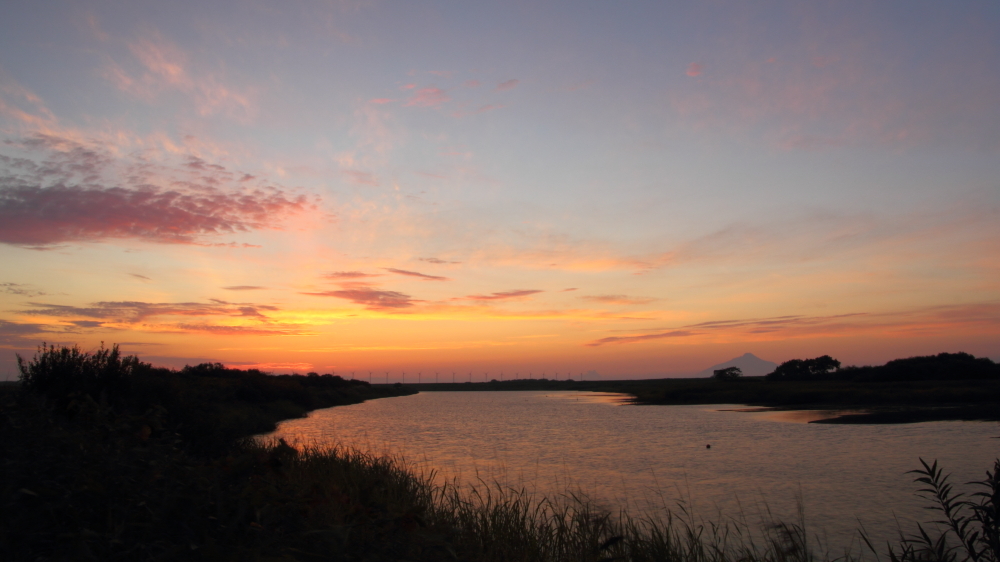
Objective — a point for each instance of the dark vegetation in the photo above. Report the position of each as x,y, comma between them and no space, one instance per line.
207,405
947,386
103,457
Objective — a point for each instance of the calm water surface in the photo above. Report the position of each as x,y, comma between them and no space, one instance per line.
648,457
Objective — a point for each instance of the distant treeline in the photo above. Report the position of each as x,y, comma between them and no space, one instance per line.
940,367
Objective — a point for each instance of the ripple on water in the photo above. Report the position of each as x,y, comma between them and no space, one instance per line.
646,458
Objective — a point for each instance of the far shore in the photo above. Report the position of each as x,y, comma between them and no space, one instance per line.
868,402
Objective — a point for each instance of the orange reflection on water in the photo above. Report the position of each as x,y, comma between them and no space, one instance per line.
795,416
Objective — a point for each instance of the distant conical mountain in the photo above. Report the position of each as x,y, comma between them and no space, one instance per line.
750,364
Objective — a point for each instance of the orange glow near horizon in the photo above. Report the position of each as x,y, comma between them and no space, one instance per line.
176,186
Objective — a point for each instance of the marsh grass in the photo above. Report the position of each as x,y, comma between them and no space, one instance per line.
85,477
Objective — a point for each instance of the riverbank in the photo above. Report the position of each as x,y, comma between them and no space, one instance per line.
884,402
104,459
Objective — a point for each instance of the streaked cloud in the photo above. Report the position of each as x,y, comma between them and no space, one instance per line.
519,294
131,312
360,178
20,290
370,297
618,299
350,275
428,97
77,192
164,66
244,288
416,274
639,338
982,318
508,85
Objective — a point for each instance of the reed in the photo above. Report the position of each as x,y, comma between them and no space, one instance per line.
88,474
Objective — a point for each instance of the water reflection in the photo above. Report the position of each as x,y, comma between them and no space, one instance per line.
646,458
794,416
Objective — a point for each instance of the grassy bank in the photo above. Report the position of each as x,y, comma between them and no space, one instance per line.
103,472
888,401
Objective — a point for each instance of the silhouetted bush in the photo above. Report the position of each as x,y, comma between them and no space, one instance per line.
727,374
940,367
819,368
59,372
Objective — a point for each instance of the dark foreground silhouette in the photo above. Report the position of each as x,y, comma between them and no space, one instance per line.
948,386
102,458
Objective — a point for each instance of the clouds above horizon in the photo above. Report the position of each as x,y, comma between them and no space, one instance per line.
61,190
370,297
927,321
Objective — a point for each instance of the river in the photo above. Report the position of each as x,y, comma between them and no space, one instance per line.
716,460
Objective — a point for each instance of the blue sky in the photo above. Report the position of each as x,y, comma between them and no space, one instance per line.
244,182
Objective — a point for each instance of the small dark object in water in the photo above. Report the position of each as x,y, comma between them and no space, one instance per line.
709,446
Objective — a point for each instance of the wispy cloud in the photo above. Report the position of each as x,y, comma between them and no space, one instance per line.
132,312
438,261
164,66
78,192
618,299
141,277
244,288
639,338
978,319
370,297
507,85
360,178
519,294
20,290
694,69
416,274
428,97
350,275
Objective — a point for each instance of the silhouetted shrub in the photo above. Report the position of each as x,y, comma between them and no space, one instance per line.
808,369
943,366
727,374
59,372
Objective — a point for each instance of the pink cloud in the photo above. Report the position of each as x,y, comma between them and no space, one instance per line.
371,298
438,261
138,314
407,86
694,69
360,178
471,84
75,193
428,97
381,101
218,330
349,275
505,295
33,215
639,338
618,299
416,274
165,66
507,85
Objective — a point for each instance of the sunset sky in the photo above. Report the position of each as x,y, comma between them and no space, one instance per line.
635,188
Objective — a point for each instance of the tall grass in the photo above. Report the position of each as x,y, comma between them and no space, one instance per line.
86,478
